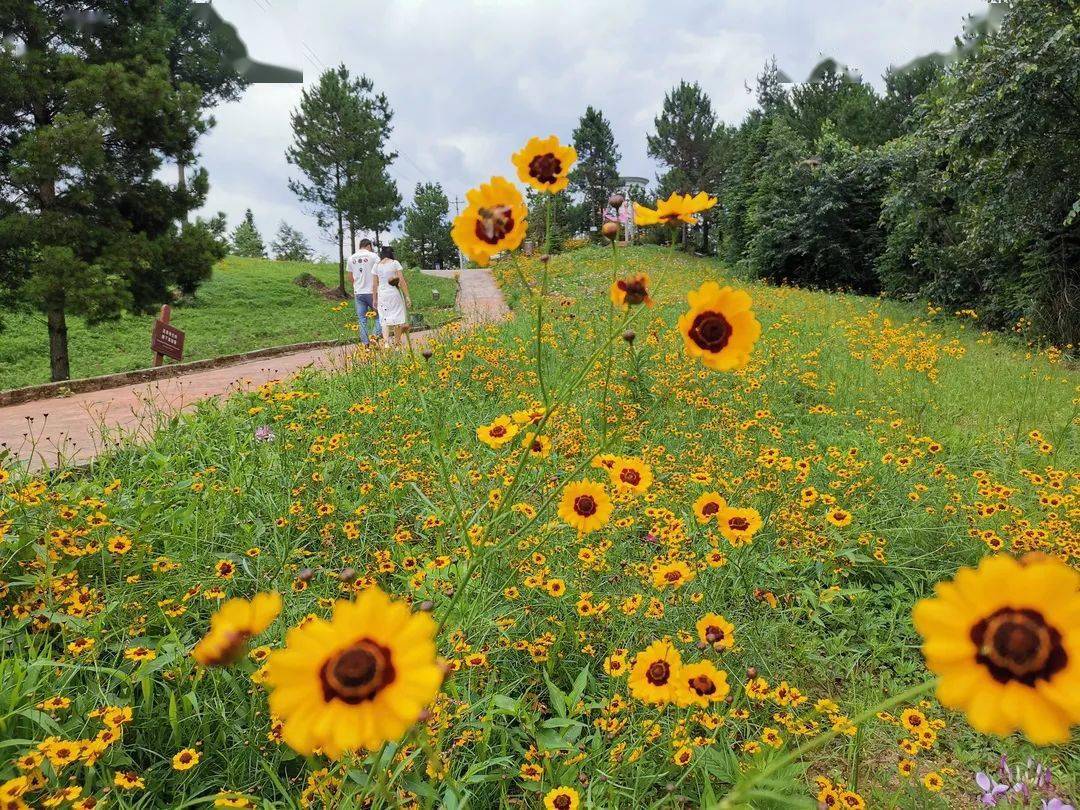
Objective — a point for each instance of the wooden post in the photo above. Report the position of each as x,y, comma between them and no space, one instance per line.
159,358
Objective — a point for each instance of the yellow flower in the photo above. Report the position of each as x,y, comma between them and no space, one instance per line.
631,291
562,798
720,327
237,621
128,780
674,575
1005,641
493,221
545,164
631,475
714,629
498,433
185,759
739,525
585,505
656,676
538,446
705,684
676,208
933,781
359,680
708,506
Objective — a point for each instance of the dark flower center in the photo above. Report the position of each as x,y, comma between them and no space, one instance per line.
545,168
673,576
634,291
711,331
630,476
357,673
658,673
714,634
562,801
493,224
739,524
537,447
585,505
711,508
1018,645
498,431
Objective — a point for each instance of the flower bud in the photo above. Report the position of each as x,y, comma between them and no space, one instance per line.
306,575
610,229
347,574
629,336
426,606
427,354
616,199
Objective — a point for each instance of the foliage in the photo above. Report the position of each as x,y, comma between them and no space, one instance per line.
249,304
87,116
290,245
246,239
596,173
321,486
426,239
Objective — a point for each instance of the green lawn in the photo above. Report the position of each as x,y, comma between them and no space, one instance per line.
248,304
877,449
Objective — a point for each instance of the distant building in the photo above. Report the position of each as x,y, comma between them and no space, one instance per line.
626,212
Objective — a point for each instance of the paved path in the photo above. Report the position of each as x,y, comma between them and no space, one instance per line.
75,429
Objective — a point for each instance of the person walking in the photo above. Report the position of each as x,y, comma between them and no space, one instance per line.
391,296
361,270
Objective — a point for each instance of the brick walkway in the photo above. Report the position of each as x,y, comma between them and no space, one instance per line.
75,429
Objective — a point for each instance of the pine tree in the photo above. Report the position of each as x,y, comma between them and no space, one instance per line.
87,116
290,245
597,171
427,226
340,133
246,239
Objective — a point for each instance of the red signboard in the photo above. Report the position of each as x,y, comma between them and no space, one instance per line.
166,340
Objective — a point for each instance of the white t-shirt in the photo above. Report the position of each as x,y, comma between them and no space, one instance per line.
361,264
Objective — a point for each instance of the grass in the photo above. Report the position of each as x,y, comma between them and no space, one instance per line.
248,304
911,424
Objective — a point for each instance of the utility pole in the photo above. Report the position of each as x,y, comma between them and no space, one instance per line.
457,210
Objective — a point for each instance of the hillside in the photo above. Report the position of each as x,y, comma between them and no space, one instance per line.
248,304
867,450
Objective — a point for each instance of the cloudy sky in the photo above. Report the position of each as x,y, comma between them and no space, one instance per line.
471,80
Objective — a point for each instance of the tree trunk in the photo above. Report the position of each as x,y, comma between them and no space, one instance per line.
341,252
705,235
181,176
58,342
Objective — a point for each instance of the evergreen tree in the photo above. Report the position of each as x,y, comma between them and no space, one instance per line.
87,116
684,142
427,226
340,133
850,104
246,239
597,171
290,245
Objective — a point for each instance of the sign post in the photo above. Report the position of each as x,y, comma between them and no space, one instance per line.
166,340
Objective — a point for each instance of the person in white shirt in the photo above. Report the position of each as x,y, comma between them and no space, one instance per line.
362,271
391,297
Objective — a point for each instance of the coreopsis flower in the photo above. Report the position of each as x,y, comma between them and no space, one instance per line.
656,676
720,327
356,681
498,433
236,622
704,684
708,506
631,291
739,525
538,446
493,221
715,630
185,759
545,164
673,575
631,475
585,505
562,798
676,208
1005,640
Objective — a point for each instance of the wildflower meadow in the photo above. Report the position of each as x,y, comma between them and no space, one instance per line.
662,538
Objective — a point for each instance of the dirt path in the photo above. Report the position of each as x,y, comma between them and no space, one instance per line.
75,429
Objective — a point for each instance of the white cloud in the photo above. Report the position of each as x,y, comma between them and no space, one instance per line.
471,80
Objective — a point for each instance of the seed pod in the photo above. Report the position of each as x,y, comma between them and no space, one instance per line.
306,575
616,199
751,672
427,354
545,258
426,606
629,336
347,574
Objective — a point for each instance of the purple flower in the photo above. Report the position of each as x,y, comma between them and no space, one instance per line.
991,788
263,433
1056,804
